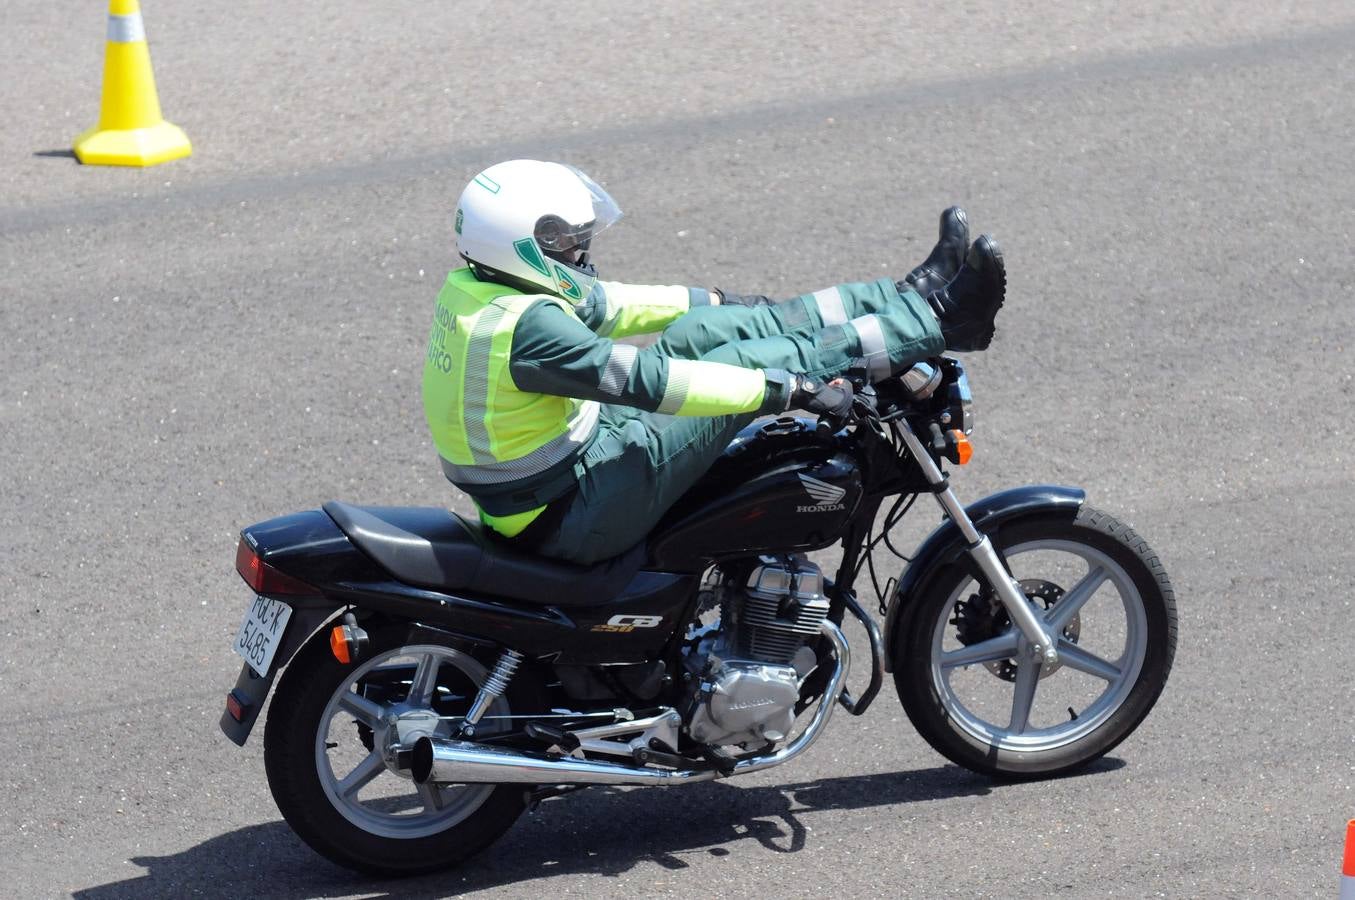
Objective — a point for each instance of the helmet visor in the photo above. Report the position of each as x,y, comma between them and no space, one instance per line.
605,210
562,238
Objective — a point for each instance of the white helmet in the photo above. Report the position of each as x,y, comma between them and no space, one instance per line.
528,224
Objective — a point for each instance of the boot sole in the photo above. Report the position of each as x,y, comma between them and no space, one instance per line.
994,252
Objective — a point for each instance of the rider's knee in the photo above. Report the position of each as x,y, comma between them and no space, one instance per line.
686,338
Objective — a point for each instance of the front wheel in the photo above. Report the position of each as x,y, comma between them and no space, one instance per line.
971,684
336,752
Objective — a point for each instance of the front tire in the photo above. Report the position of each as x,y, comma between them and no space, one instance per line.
974,691
335,777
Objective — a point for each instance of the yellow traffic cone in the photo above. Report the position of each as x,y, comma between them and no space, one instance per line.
131,131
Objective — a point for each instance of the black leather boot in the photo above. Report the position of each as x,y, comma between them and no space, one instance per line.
944,261
967,307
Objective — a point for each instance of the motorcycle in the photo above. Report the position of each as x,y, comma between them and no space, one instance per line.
436,681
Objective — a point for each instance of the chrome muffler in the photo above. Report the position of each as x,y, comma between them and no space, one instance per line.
443,761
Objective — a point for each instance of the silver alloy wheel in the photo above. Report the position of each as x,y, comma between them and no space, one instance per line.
395,807
1119,674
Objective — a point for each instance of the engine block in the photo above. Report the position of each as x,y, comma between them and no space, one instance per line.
751,665
780,609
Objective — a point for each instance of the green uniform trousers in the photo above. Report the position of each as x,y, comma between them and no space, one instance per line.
640,463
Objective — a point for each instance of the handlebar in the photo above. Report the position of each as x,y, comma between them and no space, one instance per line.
865,410
933,394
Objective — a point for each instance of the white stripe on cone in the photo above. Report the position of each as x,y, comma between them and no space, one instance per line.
126,29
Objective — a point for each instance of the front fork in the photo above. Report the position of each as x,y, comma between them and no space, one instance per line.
1022,613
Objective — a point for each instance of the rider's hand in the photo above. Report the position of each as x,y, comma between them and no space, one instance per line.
812,395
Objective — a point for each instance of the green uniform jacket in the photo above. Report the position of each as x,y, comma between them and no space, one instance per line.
512,384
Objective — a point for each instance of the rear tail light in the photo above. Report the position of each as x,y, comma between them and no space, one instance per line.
262,577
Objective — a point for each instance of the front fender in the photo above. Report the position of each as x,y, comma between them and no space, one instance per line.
945,545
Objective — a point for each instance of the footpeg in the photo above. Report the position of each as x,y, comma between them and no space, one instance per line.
565,740
661,754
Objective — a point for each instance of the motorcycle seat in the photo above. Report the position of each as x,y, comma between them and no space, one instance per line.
434,548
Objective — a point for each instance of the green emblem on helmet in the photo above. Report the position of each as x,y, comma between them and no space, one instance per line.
567,285
460,217
526,248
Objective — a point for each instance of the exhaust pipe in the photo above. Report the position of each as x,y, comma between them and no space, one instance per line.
440,760
464,762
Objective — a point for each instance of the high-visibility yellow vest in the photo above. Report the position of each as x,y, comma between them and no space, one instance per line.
489,434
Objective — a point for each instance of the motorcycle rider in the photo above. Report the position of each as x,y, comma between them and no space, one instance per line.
573,445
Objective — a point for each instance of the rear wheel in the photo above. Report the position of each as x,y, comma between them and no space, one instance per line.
971,684
336,753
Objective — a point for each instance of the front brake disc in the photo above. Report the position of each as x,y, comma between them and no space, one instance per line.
982,616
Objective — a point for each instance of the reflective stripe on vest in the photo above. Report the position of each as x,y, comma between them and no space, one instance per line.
554,451
486,430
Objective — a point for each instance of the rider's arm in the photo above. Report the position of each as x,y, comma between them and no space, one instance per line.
554,353
619,310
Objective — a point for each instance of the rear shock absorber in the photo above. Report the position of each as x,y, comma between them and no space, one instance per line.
491,690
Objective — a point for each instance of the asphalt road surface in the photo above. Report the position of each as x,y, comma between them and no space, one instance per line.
199,346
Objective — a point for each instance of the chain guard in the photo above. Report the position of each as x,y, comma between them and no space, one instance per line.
982,616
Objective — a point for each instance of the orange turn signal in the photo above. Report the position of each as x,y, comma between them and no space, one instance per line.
964,450
338,644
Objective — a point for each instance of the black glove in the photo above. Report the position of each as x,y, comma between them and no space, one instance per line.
727,299
812,395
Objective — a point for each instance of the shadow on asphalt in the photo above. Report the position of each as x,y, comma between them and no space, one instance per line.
600,831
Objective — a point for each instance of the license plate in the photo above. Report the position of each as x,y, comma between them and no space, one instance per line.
261,632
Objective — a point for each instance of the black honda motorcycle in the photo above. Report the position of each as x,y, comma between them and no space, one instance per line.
438,682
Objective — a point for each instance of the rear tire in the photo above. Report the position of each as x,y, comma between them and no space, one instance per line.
952,615
314,722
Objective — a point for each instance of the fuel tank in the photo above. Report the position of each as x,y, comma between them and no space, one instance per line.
779,487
